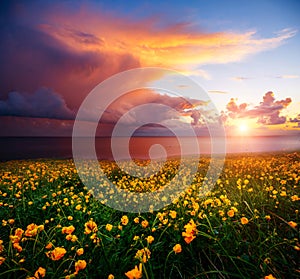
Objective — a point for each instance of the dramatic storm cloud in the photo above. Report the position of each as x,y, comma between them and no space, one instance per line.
44,103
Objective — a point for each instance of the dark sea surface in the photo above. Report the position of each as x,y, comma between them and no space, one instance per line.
12,148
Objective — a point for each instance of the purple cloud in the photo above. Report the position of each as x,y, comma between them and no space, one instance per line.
267,112
296,119
43,103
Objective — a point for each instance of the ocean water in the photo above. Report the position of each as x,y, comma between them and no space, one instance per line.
139,147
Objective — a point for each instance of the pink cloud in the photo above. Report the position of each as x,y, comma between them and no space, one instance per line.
123,105
267,112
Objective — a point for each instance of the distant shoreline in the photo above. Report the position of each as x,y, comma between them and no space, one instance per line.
140,136
18,148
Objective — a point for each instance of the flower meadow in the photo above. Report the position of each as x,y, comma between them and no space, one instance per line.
52,226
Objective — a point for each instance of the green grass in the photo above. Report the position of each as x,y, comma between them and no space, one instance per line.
262,188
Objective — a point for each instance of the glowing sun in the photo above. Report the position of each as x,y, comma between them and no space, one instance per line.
243,128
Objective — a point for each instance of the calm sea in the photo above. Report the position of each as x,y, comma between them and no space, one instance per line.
58,147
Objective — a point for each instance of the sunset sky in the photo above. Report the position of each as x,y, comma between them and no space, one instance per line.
245,54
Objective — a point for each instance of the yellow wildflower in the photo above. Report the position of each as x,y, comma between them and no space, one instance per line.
90,227
143,255
56,254
230,213
49,246
17,247
293,224
124,220
190,231
135,273
33,229
150,239
268,217
2,259
80,251
145,223
173,214
1,246
108,227
68,230
244,221
79,265
40,273
177,249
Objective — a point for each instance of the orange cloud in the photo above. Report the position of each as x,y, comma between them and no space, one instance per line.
288,76
217,92
176,46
